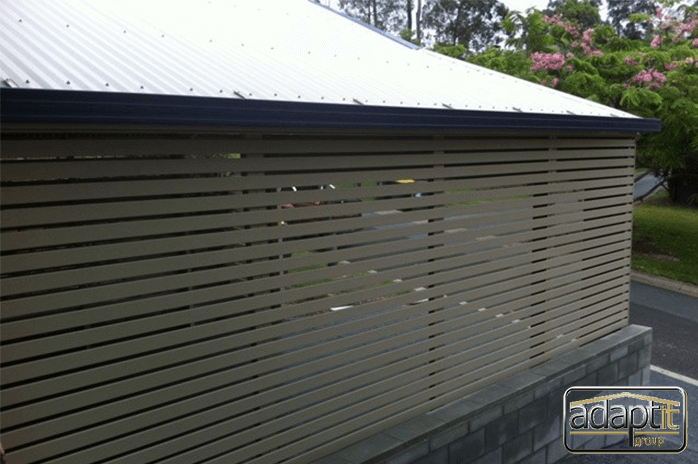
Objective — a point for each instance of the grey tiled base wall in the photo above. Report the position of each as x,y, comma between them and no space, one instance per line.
517,420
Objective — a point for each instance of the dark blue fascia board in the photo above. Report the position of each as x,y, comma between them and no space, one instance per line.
31,106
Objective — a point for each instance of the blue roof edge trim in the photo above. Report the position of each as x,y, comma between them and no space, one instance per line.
33,106
399,40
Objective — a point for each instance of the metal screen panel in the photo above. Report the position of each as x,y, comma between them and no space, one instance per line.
274,300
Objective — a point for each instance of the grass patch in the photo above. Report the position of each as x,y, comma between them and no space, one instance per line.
665,240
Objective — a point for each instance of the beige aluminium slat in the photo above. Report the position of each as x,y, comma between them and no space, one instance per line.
146,228
120,426
130,440
177,263
463,260
30,148
33,389
241,440
591,284
134,305
65,403
73,297
13,263
13,352
350,436
34,171
32,216
296,446
12,374
137,229
500,291
71,278
110,331
603,292
394,389
96,190
9,305
23,171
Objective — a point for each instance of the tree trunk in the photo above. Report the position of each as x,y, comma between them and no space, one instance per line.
418,20
409,15
375,13
456,24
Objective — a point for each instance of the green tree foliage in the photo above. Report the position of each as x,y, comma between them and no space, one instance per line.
584,14
474,24
619,12
528,32
656,77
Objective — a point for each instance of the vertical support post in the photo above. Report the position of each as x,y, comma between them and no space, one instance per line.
436,167
552,161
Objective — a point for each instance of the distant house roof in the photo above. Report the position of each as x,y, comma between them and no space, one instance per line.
268,53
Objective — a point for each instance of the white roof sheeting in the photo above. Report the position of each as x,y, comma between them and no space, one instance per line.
285,50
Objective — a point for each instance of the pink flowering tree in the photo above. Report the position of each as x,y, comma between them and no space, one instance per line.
655,78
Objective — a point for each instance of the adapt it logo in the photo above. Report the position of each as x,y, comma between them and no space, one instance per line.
607,420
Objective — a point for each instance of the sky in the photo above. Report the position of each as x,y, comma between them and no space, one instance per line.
523,5
518,5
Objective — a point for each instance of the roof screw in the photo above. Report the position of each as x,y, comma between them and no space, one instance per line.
107,84
124,32
27,81
142,87
191,89
20,20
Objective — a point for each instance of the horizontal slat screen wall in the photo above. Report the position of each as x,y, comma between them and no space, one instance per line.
276,300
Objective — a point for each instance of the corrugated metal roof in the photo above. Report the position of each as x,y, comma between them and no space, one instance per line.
280,50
